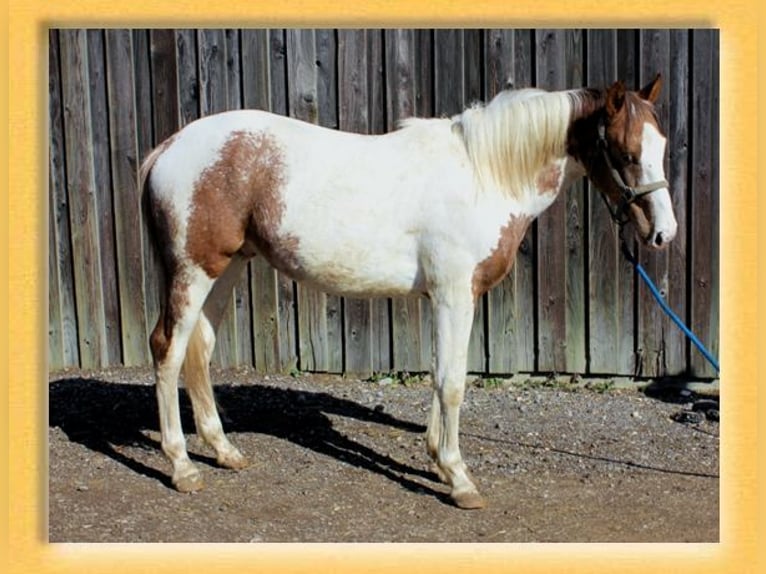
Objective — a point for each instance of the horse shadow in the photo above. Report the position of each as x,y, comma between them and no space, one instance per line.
104,417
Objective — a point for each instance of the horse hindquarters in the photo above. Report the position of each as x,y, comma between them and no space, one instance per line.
185,336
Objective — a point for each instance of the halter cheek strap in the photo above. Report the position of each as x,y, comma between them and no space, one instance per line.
628,194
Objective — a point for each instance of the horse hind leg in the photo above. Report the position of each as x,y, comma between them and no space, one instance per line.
196,368
185,294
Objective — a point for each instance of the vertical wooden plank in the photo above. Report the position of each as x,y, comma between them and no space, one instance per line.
575,227
353,104
161,89
99,118
287,300
55,331
551,228
127,202
302,98
425,107
164,67
610,340
83,209
145,142
241,291
473,91
55,327
214,98
628,72
451,89
327,108
523,324
704,207
376,86
64,317
407,95
327,77
256,91
510,305
677,90
188,76
653,324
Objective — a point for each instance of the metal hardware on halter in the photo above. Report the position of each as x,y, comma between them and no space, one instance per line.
628,194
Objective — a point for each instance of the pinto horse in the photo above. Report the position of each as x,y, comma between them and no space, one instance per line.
437,208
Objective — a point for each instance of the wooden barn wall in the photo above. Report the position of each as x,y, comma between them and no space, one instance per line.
571,303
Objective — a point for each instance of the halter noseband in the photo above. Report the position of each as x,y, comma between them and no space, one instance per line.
628,194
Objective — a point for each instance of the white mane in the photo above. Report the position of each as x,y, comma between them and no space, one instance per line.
516,134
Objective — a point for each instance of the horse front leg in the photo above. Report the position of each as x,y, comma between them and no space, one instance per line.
453,316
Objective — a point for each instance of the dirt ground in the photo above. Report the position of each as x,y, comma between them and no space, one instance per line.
344,460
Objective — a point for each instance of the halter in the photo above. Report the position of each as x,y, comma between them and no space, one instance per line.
628,194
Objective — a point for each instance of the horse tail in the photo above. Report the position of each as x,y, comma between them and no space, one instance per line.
143,179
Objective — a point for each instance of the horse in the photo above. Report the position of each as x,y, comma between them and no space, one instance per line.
435,208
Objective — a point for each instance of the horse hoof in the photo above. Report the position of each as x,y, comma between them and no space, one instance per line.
233,460
189,483
469,500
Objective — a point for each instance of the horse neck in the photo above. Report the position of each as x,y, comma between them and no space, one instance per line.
587,108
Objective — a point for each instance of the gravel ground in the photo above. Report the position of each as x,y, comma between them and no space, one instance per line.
337,459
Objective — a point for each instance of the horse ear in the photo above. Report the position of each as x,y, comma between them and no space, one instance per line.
615,98
651,91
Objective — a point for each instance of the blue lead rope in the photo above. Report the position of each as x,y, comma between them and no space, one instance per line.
658,296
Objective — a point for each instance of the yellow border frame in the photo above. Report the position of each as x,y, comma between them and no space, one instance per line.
24,407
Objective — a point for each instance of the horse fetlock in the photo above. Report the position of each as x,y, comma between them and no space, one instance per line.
436,469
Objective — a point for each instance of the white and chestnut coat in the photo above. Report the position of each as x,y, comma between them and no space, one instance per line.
436,208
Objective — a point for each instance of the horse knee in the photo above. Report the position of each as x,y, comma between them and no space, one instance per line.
452,395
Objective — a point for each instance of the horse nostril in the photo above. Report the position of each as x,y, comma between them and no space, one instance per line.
658,240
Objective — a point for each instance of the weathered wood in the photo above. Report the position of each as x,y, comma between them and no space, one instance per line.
102,177
264,298
705,204
55,330
575,228
55,172
241,293
653,324
145,142
409,348
188,76
302,100
213,99
83,208
327,116
353,116
64,319
376,87
165,121
287,299
677,89
501,306
127,202
156,80
551,228
610,340
451,90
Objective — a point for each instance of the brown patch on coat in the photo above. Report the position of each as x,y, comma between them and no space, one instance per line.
237,206
548,180
494,268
